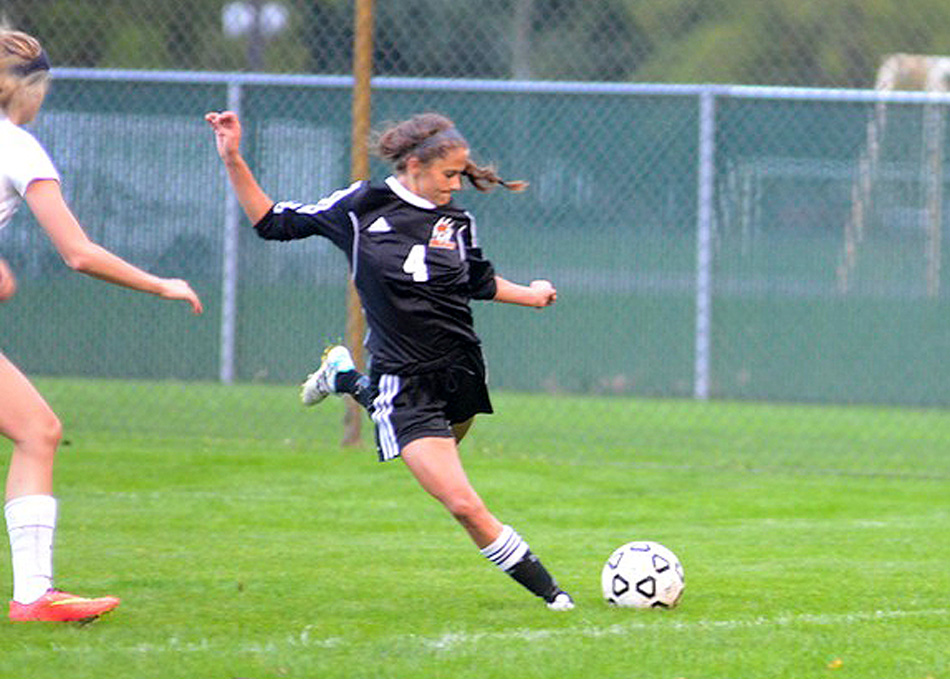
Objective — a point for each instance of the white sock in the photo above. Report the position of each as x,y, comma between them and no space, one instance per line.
507,549
31,523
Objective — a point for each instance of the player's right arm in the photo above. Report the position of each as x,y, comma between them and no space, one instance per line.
286,220
227,135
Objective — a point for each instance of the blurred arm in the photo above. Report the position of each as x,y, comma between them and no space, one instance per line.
81,254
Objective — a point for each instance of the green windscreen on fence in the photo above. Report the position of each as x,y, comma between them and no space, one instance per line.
826,275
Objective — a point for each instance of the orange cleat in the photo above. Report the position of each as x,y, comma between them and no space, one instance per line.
57,606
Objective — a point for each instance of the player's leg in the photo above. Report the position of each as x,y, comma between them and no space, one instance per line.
435,463
34,429
337,374
30,508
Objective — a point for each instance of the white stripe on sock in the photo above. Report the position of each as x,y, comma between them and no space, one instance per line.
507,549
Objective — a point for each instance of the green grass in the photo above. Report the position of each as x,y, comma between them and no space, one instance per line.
245,542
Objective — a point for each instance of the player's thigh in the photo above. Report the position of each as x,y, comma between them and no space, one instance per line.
435,463
23,411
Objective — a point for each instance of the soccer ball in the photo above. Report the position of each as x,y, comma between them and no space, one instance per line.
643,575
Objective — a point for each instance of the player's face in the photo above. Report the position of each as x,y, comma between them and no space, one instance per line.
438,179
27,103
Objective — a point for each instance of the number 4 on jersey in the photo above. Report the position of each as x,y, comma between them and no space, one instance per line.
415,264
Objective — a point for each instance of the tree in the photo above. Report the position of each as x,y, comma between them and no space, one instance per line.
782,42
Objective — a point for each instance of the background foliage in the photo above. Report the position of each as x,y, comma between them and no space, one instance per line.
781,42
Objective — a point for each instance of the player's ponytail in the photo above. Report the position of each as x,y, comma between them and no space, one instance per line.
431,135
484,178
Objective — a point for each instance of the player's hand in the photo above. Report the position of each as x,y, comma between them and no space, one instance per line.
227,132
7,281
545,294
175,288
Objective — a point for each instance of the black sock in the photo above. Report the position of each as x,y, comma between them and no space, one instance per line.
532,574
357,385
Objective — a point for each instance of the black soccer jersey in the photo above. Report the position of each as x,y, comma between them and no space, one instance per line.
415,265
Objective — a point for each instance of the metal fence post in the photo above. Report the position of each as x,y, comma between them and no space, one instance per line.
704,227
229,268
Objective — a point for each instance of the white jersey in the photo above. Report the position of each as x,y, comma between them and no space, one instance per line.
22,161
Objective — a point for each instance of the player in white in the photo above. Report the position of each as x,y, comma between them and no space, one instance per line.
26,173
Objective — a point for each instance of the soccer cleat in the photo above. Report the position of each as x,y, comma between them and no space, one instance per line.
57,606
319,384
561,601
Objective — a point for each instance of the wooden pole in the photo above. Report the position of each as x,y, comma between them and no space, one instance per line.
359,163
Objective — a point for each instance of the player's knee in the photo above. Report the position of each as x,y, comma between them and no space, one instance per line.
43,432
466,507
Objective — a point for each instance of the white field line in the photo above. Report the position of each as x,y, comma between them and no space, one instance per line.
661,621
454,640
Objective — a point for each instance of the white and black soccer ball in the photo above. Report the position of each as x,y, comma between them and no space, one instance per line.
643,575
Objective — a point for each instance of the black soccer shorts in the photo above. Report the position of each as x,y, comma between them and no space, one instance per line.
410,407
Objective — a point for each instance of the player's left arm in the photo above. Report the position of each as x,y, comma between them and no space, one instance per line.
485,284
538,294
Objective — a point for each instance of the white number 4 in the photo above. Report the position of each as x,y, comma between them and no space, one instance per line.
415,264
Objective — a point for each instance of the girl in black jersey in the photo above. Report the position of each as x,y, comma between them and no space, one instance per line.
416,263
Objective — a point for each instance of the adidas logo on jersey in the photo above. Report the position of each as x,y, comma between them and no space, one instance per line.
379,226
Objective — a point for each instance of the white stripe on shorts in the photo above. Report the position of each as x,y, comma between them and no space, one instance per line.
382,410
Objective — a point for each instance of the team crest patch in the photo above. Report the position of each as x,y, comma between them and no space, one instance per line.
443,234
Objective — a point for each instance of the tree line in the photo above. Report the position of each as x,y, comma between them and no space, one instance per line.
782,42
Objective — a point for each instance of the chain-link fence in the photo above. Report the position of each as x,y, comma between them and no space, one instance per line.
710,242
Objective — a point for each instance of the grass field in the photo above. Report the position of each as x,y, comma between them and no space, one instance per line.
245,542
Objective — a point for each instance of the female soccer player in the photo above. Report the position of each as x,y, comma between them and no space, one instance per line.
415,260
26,172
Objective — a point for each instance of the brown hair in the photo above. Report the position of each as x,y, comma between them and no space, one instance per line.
431,135
17,49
